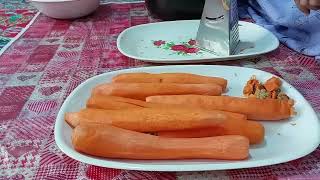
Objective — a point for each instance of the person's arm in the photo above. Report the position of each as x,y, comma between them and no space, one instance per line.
306,5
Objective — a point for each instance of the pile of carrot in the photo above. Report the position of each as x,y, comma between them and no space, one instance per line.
171,116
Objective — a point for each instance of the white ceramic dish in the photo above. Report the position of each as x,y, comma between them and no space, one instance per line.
284,141
66,9
138,42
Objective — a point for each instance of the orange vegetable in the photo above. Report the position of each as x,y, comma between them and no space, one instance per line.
251,87
184,78
273,94
152,119
253,130
140,77
143,90
255,109
272,84
117,103
112,142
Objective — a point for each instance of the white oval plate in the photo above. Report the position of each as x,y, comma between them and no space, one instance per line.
284,141
138,42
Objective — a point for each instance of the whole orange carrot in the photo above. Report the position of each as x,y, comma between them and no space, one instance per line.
152,119
255,109
253,130
112,142
143,90
117,103
184,78
113,102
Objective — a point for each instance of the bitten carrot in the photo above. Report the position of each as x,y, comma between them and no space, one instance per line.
183,78
255,109
253,130
117,103
152,119
112,142
143,90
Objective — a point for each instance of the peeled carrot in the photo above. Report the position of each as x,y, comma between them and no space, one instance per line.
113,102
255,109
112,142
140,77
184,78
152,119
234,126
143,90
117,103
253,130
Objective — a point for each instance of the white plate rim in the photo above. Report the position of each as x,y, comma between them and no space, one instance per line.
196,60
181,167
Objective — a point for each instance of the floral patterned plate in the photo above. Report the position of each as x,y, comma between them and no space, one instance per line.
173,42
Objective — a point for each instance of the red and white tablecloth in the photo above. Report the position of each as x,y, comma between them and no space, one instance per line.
41,68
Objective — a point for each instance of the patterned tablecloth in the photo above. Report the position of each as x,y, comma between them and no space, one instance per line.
42,67
14,17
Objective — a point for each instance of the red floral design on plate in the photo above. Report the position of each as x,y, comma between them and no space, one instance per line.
158,43
192,42
192,50
179,48
183,48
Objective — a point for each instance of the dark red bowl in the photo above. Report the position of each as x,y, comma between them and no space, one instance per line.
175,9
